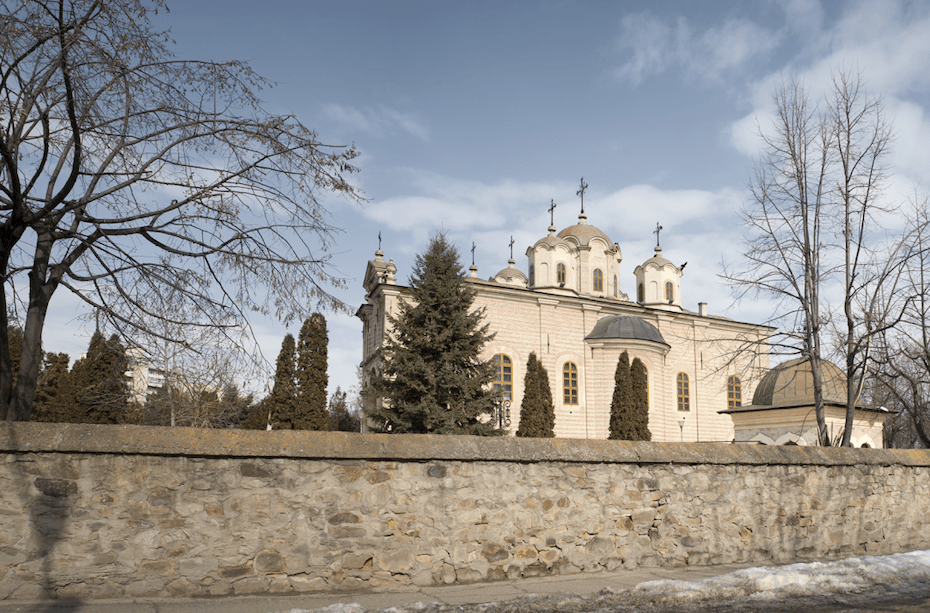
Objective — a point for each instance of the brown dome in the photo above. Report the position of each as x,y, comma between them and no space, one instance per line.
791,383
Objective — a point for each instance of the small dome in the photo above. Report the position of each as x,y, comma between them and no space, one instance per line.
583,233
511,275
621,326
551,241
791,383
658,260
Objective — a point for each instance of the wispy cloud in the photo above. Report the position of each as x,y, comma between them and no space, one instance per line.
886,43
656,46
380,121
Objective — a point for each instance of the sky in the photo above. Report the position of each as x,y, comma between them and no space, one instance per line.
472,117
873,583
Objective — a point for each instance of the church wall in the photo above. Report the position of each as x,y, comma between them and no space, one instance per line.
96,511
555,327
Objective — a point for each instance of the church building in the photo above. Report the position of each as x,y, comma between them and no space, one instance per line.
569,307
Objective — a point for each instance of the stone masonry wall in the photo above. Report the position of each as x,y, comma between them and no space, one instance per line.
124,511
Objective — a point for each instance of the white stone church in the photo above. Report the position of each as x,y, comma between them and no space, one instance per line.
571,311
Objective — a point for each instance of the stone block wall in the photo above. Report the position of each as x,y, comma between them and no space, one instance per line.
124,511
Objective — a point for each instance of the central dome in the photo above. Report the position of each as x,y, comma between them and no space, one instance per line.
791,383
583,233
623,326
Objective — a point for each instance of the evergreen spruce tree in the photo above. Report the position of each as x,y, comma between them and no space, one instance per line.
432,379
282,402
639,415
621,427
95,392
537,413
311,376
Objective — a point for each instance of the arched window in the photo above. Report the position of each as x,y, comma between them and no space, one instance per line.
734,392
560,273
569,383
503,375
684,397
532,276
615,286
669,291
598,280
641,293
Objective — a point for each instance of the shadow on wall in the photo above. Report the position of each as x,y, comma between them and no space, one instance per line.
49,505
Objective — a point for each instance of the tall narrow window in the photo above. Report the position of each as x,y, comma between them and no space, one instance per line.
503,375
560,274
641,293
734,392
669,291
598,280
532,277
684,398
569,383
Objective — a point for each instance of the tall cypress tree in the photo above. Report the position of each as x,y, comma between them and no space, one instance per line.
537,413
311,375
282,402
95,391
432,378
51,379
620,407
639,415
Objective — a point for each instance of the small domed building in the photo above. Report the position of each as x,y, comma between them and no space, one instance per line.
782,409
569,308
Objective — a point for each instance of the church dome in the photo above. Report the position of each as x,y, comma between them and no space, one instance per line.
583,233
626,327
791,383
511,275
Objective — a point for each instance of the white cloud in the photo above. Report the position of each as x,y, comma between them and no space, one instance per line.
380,121
657,46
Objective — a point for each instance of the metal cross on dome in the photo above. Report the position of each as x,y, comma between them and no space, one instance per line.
656,232
552,212
580,192
511,246
473,253
379,241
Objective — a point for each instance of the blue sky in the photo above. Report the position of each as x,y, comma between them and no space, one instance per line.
470,117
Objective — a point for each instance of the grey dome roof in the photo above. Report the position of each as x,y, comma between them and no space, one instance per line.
791,383
622,326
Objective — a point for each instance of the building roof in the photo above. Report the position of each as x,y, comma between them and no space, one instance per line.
791,383
583,233
626,327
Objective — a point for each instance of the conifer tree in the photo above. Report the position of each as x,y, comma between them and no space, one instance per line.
311,376
341,417
282,402
537,413
51,379
621,406
639,415
95,391
433,379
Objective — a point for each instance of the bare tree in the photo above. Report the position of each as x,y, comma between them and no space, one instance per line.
782,255
814,233
124,171
902,353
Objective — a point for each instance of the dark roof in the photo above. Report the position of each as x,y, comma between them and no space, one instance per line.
623,326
